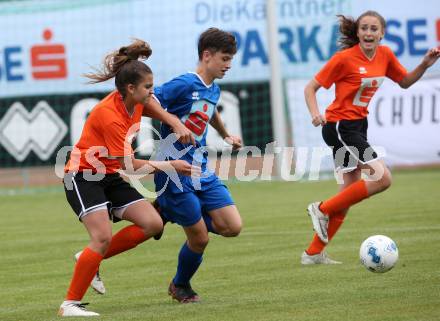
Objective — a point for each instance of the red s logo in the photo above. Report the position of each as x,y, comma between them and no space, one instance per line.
197,121
48,61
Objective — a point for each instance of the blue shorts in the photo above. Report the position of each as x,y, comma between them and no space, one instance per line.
186,208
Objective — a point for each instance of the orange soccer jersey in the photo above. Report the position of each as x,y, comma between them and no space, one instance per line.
107,134
357,78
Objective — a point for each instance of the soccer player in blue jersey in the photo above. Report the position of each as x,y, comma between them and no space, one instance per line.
206,205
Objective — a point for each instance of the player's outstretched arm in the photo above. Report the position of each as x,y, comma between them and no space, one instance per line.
428,60
154,110
136,166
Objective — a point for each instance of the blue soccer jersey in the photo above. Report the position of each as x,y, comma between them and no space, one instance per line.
194,102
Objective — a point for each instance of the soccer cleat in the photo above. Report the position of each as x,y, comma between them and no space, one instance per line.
75,309
96,283
319,221
183,294
164,219
320,258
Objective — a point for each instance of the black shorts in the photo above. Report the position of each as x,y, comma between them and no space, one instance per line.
348,140
111,192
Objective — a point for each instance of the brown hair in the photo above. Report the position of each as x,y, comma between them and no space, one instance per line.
348,28
215,40
124,65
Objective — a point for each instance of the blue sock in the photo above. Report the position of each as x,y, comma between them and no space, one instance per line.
208,222
189,262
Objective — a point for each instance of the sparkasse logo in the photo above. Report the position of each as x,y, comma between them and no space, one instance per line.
47,61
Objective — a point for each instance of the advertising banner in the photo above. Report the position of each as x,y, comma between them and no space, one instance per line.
33,129
404,125
46,46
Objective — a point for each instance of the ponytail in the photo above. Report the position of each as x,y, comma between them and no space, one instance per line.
348,32
124,65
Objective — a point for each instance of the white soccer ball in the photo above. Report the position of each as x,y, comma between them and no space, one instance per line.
379,253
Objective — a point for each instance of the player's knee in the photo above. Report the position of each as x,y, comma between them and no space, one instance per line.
102,241
154,227
232,230
199,243
237,229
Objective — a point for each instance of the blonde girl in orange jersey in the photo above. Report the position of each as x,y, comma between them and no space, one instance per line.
357,72
93,186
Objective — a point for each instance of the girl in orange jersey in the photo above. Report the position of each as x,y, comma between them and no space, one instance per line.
357,71
93,186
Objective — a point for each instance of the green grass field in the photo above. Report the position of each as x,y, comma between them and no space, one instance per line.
256,276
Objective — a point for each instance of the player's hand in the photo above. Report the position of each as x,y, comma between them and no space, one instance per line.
183,134
431,57
184,168
319,120
234,141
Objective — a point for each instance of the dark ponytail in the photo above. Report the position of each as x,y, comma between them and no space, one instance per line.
348,28
124,65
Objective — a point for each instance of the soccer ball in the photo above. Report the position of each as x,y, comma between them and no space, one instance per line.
378,253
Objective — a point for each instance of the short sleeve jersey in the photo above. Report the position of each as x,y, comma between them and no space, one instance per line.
194,103
357,78
107,134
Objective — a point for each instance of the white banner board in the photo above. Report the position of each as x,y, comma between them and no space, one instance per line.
46,46
405,124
